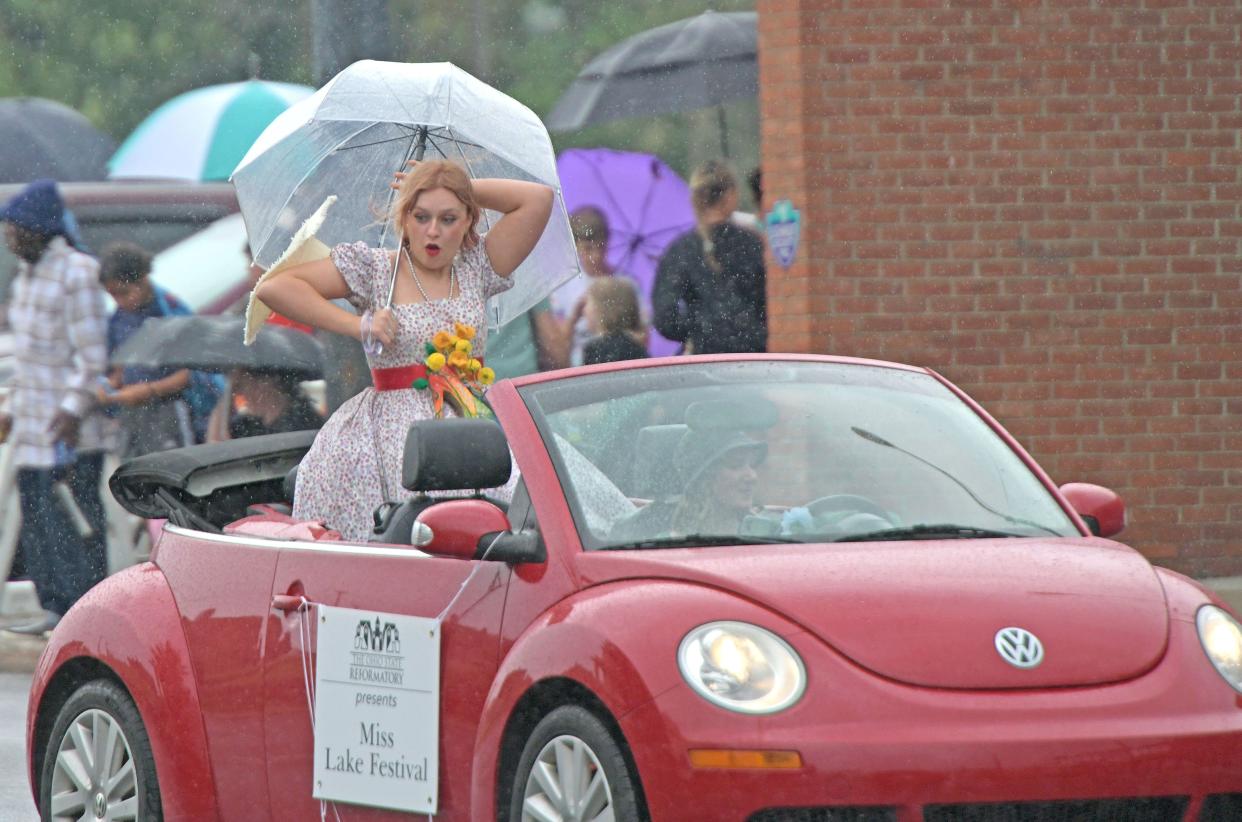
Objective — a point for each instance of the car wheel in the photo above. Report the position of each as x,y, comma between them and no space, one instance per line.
98,762
573,769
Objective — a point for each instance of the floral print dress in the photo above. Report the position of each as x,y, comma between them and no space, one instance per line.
339,479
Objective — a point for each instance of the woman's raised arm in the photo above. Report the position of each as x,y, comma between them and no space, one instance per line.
526,208
304,293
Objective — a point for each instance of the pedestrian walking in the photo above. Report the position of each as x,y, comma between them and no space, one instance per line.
710,287
59,323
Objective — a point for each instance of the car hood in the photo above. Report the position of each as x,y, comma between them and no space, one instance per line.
927,613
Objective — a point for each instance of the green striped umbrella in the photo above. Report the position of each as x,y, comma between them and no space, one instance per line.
203,134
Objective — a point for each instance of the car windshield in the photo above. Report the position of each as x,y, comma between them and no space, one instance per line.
750,452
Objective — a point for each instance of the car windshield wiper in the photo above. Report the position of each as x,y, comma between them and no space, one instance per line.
945,530
701,541
878,440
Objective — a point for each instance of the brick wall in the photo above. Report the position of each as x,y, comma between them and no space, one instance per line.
1041,200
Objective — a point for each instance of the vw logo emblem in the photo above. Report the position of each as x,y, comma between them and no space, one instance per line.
1019,647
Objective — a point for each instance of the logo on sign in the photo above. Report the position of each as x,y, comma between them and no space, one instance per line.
377,656
377,637
784,229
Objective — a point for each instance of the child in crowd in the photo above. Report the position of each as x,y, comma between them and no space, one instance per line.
612,315
591,237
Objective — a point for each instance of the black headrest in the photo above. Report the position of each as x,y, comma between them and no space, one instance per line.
455,455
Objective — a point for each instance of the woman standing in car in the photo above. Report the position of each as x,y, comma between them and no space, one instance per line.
444,273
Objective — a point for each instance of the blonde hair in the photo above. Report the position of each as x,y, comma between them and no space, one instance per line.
616,302
433,174
709,184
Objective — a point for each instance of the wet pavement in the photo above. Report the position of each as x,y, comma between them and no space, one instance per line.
15,802
18,656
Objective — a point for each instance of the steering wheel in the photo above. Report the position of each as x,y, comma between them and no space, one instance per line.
850,504
845,502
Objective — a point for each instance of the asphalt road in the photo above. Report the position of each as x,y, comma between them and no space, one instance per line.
15,802
18,656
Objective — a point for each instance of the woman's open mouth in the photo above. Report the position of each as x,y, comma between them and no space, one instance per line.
432,249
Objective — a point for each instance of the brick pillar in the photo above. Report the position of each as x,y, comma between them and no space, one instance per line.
1040,200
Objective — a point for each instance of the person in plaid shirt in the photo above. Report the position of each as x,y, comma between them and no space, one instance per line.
59,326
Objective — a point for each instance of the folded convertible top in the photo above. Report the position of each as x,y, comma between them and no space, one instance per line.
215,482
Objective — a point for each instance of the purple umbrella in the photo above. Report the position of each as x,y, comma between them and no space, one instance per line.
647,206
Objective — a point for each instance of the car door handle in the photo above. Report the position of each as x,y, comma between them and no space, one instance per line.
289,602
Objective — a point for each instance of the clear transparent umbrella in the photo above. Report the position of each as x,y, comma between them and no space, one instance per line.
349,137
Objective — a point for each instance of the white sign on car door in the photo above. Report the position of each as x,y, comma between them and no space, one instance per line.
377,709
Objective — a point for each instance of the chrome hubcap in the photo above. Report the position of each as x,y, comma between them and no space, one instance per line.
94,771
567,784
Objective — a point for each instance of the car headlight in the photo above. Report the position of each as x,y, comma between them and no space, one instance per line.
741,667
1221,636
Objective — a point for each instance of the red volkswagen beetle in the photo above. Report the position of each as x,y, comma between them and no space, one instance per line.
754,588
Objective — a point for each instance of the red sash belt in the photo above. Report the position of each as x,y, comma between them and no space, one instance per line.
394,379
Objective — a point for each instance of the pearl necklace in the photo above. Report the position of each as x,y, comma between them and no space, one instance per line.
414,273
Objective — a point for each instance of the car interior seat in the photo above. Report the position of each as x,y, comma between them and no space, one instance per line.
655,477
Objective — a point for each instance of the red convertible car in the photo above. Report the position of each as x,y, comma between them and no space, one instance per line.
754,588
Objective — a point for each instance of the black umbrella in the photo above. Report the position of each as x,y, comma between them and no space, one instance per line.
43,138
214,343
694,63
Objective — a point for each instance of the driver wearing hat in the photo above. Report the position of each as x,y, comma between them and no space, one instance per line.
720,479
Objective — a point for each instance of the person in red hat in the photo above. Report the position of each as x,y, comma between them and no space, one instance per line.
59,326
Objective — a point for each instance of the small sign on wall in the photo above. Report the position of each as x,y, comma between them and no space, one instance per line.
377,709
784,230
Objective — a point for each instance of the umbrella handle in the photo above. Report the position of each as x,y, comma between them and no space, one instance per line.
396,264
420,147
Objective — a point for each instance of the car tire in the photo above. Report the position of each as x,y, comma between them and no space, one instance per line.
572,734
99,722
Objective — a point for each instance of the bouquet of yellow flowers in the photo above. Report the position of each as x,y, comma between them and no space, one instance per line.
455,374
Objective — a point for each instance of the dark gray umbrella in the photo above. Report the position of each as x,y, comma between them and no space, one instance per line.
43,138
694,63
214,343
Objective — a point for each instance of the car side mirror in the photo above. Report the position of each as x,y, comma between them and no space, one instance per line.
474,529
1100,507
